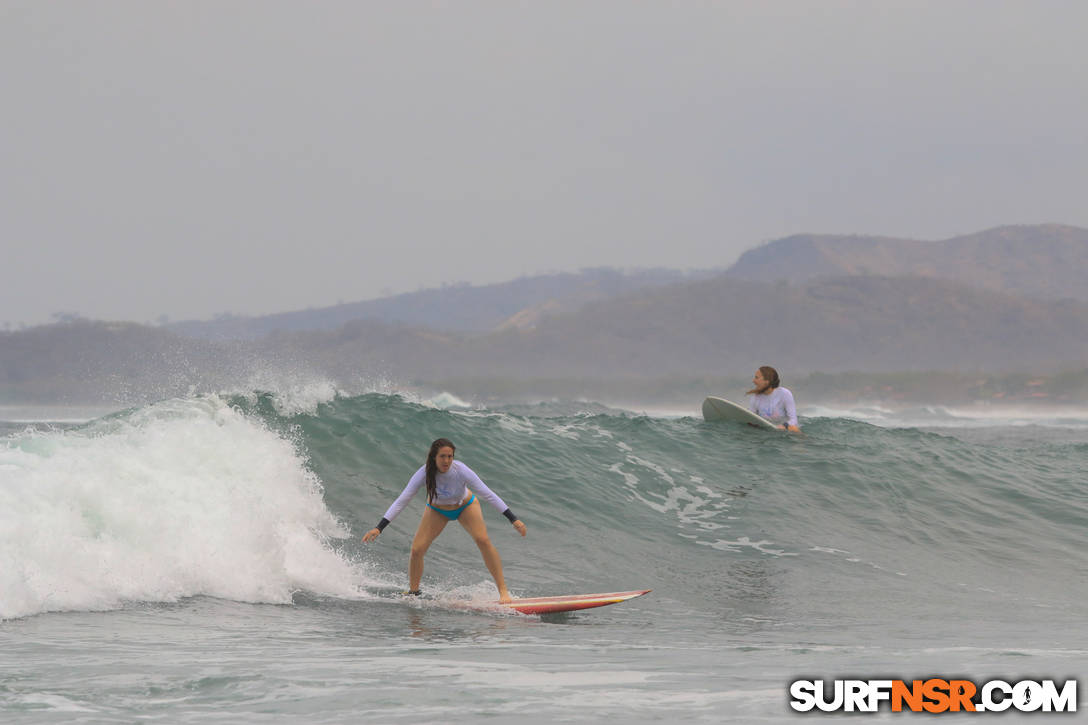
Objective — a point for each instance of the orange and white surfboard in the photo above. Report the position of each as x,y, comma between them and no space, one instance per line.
570,602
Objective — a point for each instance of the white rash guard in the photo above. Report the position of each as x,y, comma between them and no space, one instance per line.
777,406
450,489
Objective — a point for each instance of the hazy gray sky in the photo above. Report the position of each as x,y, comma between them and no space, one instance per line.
191,158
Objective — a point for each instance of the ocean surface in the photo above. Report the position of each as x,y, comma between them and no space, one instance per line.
199,560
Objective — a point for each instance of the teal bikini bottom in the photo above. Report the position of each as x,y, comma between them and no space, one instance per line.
455,513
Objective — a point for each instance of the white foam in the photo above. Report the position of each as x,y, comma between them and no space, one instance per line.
763,546
968,416
446,400
290,396
182,498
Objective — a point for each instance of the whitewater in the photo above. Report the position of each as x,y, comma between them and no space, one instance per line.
200,559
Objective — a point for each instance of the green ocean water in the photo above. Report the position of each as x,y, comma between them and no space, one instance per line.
200,559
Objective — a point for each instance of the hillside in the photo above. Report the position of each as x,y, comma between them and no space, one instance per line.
705,328
716,328
518,303
1014,302
1046,261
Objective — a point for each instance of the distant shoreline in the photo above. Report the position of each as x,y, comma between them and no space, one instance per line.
892,390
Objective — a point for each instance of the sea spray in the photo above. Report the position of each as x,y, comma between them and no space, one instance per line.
186,497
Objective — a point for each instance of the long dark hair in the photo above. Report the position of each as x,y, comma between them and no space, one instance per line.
432,464
770,375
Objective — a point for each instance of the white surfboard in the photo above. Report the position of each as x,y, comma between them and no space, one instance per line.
715,409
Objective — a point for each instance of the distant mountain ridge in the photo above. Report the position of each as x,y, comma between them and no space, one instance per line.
1045,261
517,303
777,305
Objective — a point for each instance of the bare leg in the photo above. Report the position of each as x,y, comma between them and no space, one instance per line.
430,526
473,520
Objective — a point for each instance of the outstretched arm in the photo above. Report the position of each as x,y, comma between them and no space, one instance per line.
414,484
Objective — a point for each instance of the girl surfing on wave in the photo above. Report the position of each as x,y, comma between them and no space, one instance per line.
449,499
768,399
